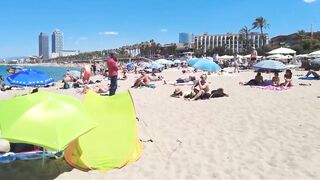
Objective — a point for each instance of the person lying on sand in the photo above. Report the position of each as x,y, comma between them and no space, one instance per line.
258,80
97,89
182,81
315,75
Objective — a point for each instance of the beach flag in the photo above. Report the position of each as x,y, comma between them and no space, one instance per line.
114,142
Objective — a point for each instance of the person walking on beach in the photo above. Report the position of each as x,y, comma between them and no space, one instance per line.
94,68
254,55
236,63
112,73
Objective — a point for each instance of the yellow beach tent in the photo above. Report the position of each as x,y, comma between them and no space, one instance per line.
114,142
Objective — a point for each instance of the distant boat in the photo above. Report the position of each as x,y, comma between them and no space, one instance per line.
15,69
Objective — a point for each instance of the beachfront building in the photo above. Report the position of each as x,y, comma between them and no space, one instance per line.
57,41
231,41
133,52
64,53
186,39
44,46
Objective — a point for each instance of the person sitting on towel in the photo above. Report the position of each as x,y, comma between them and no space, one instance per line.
203,87
287,79
276,79
143,80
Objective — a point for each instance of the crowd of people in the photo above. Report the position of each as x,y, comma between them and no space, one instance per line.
275,81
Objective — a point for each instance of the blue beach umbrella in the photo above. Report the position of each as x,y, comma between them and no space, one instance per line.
316,61
269,65
163,61
30,78
75,73
145,64
130,66
192,61
155,66
207,65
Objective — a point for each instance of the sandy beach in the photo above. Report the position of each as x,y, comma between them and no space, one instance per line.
252,134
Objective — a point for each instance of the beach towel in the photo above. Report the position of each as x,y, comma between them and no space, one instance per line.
151,85
9,157
272,88
308,78
190,83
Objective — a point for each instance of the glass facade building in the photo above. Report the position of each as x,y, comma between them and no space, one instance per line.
44,45
186,38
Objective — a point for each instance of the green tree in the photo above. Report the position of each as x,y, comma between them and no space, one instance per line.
244,38
199,52
260,23
302,35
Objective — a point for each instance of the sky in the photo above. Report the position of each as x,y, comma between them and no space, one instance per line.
103,24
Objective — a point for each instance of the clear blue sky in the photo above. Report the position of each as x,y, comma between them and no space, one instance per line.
100,24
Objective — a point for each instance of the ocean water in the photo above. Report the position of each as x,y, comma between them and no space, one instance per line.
55,72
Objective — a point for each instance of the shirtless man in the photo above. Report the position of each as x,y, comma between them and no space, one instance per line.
143,80
203,87
253,56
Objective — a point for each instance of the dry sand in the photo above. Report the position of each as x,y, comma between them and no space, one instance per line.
252,134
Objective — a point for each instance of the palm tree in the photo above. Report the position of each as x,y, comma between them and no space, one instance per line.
260,23
244,37
302,35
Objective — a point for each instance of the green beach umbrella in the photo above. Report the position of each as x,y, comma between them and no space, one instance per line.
45,119
114,142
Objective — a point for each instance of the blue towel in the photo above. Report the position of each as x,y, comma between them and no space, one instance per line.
308,78
9,157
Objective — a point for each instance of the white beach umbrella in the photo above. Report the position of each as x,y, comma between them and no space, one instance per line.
302,56
163,61
282,50
277,57
315,54
225,57
177,61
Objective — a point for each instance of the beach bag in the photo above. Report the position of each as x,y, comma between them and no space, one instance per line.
66,86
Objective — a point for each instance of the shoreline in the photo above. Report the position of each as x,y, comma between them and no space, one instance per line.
46,65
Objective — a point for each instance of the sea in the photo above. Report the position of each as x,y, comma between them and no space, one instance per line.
54,72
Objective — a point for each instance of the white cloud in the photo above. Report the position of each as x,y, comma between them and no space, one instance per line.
309,1
163,30
109,33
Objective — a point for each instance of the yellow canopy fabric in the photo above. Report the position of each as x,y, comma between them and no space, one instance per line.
45,119
114,142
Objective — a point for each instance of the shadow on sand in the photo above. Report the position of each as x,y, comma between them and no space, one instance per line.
34,169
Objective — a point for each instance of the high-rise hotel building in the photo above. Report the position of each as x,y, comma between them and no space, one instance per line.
230,41
57,41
